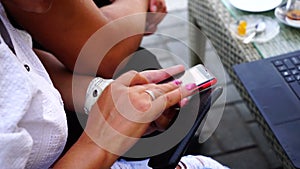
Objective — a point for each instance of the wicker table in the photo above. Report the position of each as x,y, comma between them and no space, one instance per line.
213,18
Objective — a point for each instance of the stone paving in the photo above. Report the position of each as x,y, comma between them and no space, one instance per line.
238,142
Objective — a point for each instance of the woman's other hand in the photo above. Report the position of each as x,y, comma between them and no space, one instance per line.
157,6
157,11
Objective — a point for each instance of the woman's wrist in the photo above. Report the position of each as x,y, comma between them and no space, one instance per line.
94,90
86,154
99,156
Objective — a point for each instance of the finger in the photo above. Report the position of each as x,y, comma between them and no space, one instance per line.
158,6
153,6
156,90
161,6
149,104
155,76
167,87
132,78
150,30
165,7
164,120
155,17
175,96
183,102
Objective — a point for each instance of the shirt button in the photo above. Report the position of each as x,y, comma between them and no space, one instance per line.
27,67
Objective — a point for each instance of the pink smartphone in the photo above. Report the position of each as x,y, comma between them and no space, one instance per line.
200,75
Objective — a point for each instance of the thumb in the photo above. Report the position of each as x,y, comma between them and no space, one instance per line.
153,6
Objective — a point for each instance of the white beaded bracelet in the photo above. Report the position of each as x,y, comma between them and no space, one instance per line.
95,88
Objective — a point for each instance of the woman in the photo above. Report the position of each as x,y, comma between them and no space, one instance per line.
33,131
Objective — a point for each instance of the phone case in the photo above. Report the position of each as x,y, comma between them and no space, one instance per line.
170,159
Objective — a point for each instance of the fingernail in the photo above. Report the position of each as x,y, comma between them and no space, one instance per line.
184,102
177,82
191,86
154,8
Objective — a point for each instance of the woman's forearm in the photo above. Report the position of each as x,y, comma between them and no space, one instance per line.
85,154
66,27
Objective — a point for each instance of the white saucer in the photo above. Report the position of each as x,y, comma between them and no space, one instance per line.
291,22
280,15
255,5
272,28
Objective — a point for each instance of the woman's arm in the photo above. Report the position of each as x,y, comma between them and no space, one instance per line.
121,116
72,92
65,28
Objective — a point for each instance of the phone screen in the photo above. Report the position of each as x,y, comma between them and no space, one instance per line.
197,74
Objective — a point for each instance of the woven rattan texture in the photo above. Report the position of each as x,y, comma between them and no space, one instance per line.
213,18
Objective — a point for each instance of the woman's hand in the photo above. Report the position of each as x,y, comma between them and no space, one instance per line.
125,110
157,6
122,115
158,10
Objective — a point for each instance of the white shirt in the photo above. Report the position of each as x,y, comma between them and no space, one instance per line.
33,126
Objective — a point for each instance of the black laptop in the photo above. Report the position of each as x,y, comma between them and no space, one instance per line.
274,86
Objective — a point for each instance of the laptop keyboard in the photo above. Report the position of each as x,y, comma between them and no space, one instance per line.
289,68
